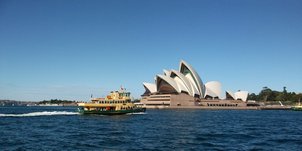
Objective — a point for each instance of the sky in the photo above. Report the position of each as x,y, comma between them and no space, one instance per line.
70,49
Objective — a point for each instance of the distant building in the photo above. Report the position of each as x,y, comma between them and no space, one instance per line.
185,88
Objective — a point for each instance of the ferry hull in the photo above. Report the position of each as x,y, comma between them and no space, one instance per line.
115,112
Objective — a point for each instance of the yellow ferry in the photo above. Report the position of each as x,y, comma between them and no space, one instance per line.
115,103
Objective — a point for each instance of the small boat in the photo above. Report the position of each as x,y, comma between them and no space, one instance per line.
297,107
115,103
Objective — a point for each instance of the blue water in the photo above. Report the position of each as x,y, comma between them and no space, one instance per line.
61,128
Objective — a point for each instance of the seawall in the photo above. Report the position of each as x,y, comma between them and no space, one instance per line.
223,108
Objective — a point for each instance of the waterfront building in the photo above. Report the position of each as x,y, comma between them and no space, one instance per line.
184,87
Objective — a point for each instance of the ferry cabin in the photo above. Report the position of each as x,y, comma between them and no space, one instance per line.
114,101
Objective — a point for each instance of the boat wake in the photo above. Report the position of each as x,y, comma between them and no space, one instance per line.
45,113
138,113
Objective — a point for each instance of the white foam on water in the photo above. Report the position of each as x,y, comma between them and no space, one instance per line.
45,113
139,113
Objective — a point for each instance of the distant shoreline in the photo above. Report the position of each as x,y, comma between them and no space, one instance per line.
28,103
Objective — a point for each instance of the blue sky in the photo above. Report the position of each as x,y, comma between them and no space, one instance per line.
73,48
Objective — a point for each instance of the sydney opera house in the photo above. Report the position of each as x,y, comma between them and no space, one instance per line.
184,87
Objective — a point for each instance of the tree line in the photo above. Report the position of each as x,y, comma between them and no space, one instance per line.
56,101
267,94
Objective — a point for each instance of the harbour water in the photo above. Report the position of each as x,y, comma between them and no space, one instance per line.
61,128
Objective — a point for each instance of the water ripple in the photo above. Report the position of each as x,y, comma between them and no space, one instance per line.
55,129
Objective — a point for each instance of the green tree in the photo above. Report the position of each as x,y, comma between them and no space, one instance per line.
265,94
252,96
285,94
280,97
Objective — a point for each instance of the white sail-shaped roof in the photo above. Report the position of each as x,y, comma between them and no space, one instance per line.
213,89
166,84
230,95
192,75
194,86
167,72
241,95
186,80
150,87
182,82
181,85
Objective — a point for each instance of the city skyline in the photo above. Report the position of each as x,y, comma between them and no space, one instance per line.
72,49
